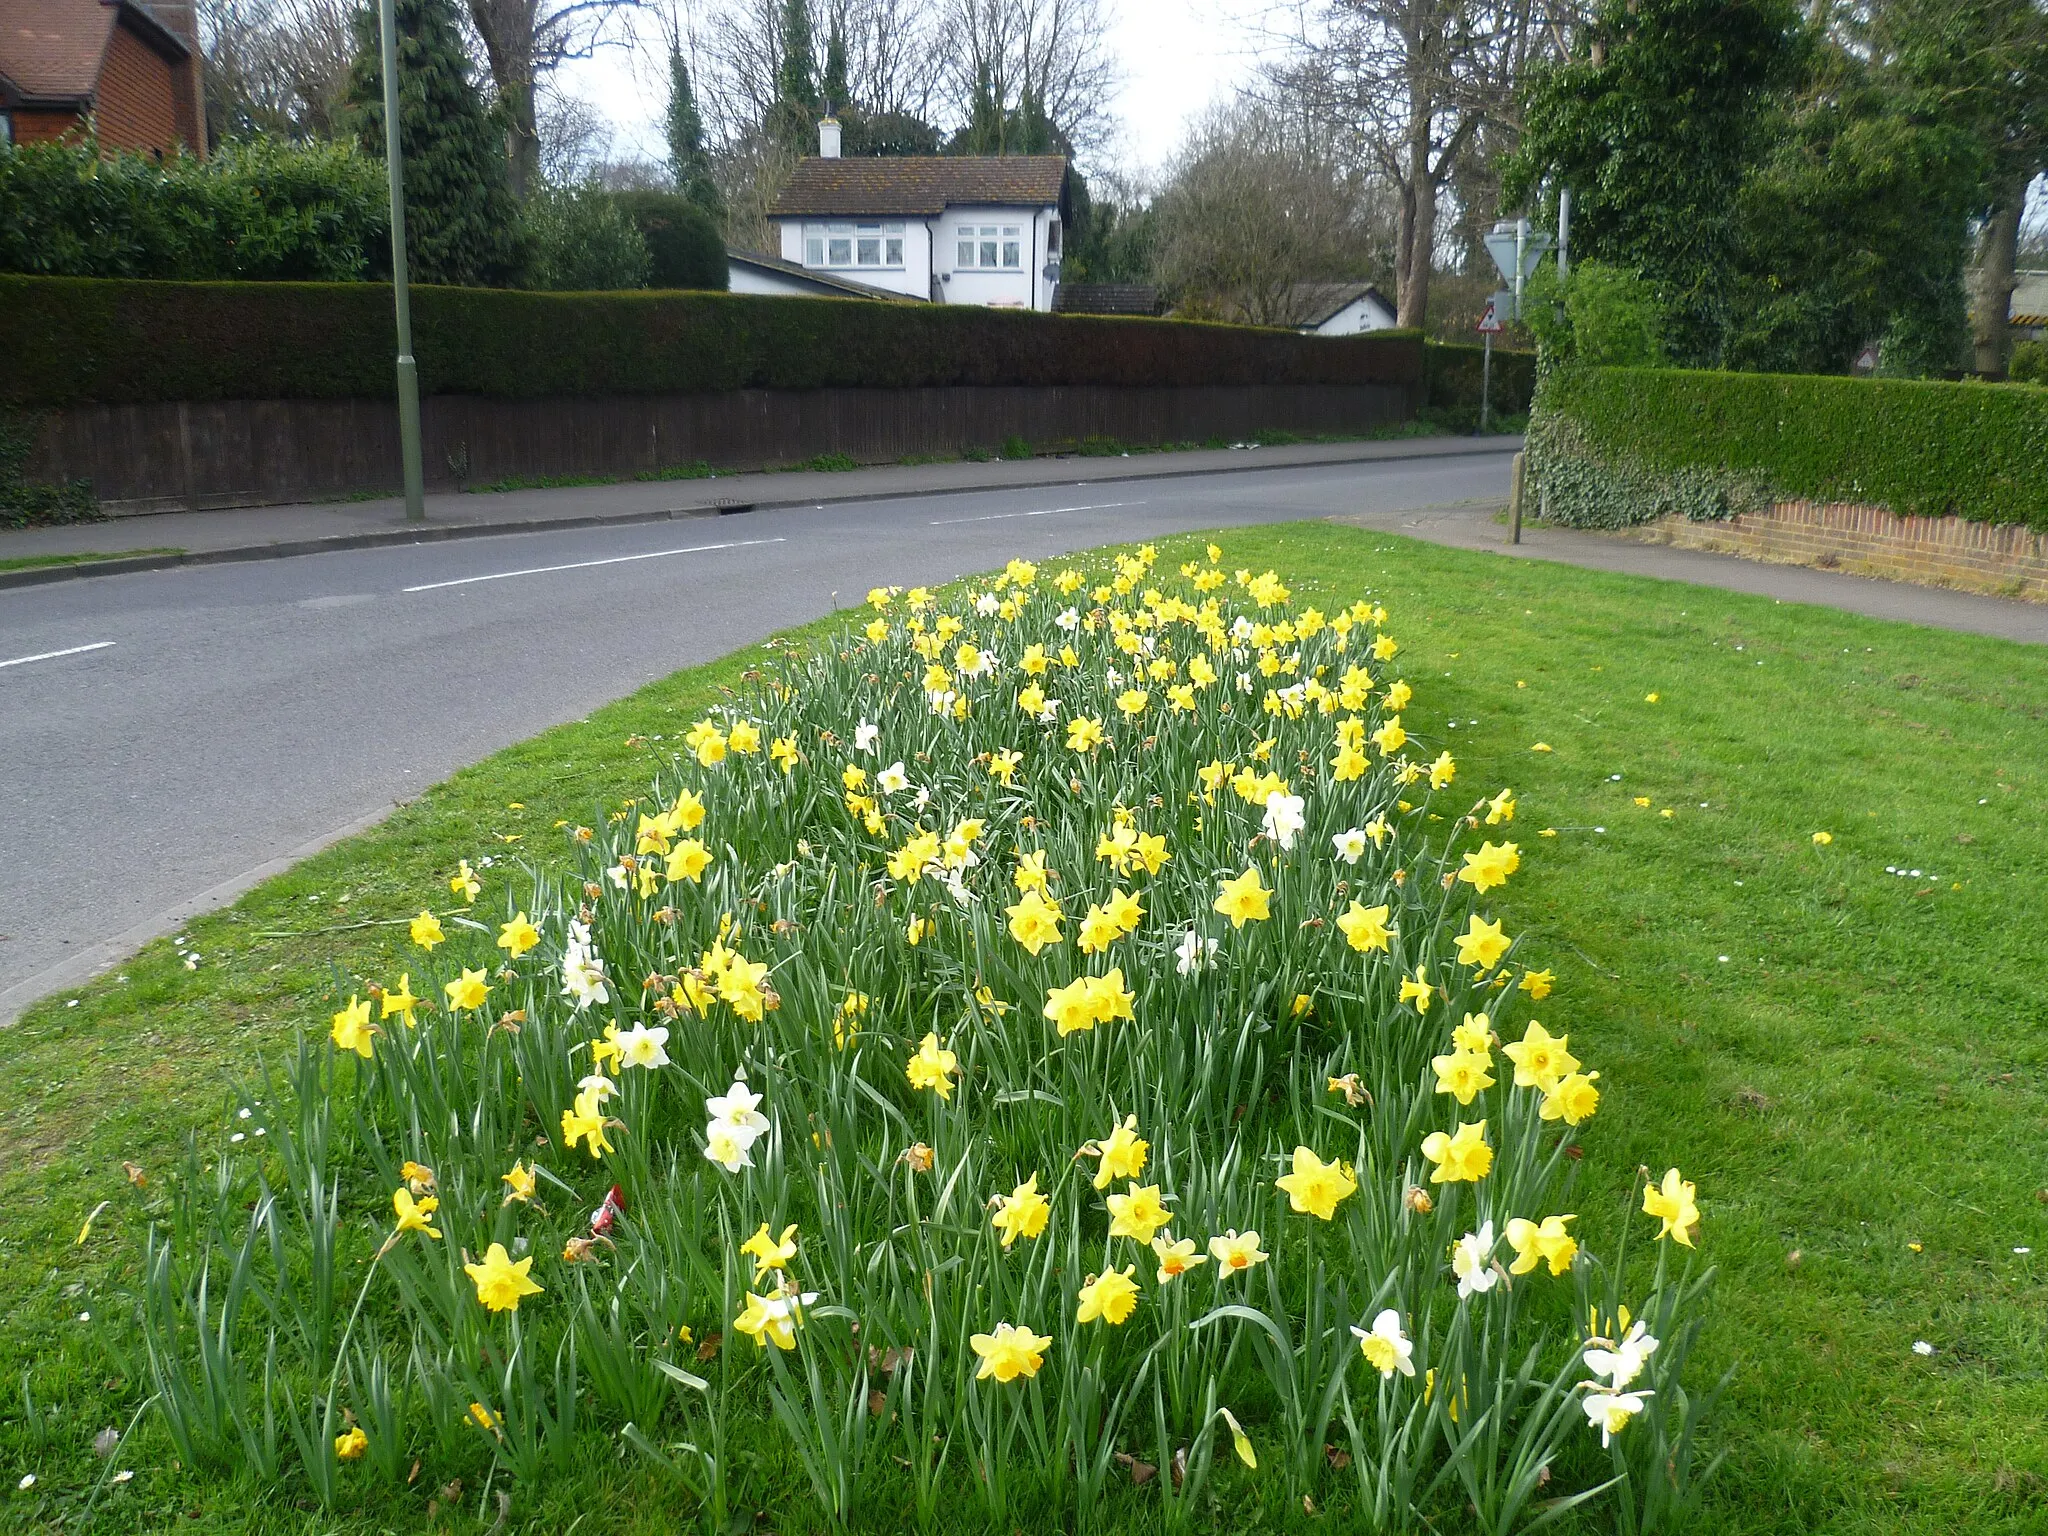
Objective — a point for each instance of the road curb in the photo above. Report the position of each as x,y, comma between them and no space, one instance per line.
444,532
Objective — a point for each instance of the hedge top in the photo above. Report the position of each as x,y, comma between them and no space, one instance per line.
73,341
1978,451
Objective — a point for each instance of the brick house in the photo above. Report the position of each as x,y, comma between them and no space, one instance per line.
131,69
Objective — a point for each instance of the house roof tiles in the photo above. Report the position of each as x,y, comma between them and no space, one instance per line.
51,50
898,186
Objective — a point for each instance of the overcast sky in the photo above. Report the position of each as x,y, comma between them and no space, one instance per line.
1176,56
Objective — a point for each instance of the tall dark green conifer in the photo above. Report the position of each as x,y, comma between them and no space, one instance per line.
838,95
462,225
687,160
796,105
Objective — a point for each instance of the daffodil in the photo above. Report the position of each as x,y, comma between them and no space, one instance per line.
773,1319
687,861
1463,1075
351,1443
1416,989
1490,865
1611,1411
933,1067
1474,1036
1176,1257
500,1283
426,931
644,1046
1461,1157
585,1123
1315,1186
399,1000
1481,944
1537,984
770,1253
1138,1213
1386,1348
1674,1205
1009,1352
352,1029
1544,1242
467,991
519,1184
464,882
1244,899
1364,928
1121,1154
1573,1100
1236,1252
414,1215
1110,1297
1023,1212
1540,1058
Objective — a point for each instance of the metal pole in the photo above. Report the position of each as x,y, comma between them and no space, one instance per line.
408,372
1485,381
1564,233
1521,262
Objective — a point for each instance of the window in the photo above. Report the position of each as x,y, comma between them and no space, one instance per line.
1013,249
892,246
992,247
814,250
868,247
988,246
965,254
839,245
1052,239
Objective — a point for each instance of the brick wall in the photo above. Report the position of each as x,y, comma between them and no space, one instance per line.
138,99
34,127
2001,558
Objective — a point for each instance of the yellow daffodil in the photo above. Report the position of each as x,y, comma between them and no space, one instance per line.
1539,1243
1573,1100
414,1215
467,991
1460,1158
1244,899
1316,1187
352,1029
772,1319
1138,1213
519,1184
350,1444
687,861
1474,1036
499,1282
1537,984
1084,734
1416,989
1674,1205
783,753
399,1000
464,882
426,931
1540,1058
1009,1352
585,1122
770,1253
1463,1075
1122,1153
1110,1297
1490,865
933,1067
1481,944
518,936
1023,1212
1364,928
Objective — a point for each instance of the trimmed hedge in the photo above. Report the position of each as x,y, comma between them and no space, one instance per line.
71,341
1612,446
1455,371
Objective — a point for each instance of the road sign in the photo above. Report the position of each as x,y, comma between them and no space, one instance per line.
1498,309
1500,245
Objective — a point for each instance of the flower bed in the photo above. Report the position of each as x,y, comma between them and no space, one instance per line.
1038,1053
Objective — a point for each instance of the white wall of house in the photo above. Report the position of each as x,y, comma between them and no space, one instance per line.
1006,251
751,279
1361,314
895,254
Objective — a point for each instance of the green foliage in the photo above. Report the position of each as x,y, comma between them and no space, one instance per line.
688,161
258,209
1655,133
793,119
1611,446
1108,240
1453,373
580,240
71,340
1602,315
886,133
461,223
682,240
26,503
2029,363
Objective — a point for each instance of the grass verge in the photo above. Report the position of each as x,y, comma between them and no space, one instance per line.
43,562
1848,1059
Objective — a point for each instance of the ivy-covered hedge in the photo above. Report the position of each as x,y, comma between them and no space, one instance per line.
1614,446
1457,369
70,341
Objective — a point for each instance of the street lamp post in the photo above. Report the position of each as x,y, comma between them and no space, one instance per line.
408,371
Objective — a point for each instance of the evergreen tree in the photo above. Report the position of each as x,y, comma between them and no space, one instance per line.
833,87
461,223
687,161
796,106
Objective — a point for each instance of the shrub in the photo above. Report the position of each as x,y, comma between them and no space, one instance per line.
747,1129
258,209
1611,446
1454,371
26,503
579,240
2029,363
70,340
685,246
1603,316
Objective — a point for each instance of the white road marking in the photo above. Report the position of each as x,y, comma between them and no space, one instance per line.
76,650
996,517
582,565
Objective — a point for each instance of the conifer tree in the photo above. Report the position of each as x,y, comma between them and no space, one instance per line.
461,223
838,95
687,161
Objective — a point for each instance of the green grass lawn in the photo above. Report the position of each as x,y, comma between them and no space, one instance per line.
1850,1062
40,562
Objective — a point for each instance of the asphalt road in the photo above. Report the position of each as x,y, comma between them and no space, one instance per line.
169,737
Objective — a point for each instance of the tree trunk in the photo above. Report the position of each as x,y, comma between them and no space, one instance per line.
1997,253
1418,215
506,27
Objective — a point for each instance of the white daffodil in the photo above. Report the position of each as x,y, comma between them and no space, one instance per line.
1609,1412
1624,1362
739,1109
597,1088
1194,953
1284,817
1350,845
987,604
583,978
727,1147
1069,620
1472,1261
892,780
864,736
1386,1347
1241,629
641,1046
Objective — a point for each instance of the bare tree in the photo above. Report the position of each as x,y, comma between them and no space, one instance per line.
1420,80
1018,57
275,66
893,54
524,40
1255,207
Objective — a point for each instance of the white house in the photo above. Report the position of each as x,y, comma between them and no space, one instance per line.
955,229
1339,309
754,272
